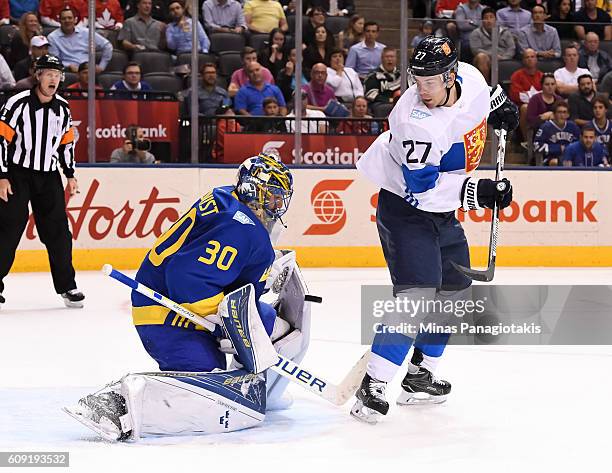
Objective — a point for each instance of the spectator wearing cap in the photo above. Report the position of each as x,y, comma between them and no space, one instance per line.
210,95
109,15
223,16
591,18
50,11
71,44
513,17
586,152
178,33
79,88
481,43
142,32
580,103
240,76
567,76
540,37
20,7
132,80
250,97
598,62
332,8
318,92
343,80
262,16
29,26
39,46
364,57
7,81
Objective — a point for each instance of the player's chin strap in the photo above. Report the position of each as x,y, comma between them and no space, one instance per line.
448,92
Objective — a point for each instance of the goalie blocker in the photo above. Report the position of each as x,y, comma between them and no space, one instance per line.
175,403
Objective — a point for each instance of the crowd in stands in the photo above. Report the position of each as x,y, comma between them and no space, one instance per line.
551,54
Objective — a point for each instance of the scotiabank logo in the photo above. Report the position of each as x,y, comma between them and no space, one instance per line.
328,207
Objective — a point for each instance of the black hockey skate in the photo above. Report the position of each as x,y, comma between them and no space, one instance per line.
104,413
73,298
423,388
371,402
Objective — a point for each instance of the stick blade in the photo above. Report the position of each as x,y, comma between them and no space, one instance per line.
474,274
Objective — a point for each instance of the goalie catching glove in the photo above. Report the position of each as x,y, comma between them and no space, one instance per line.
477,194
504,113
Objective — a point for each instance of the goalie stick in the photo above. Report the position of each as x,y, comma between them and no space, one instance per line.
337,394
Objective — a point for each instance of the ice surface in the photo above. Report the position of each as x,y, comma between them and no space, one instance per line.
528,408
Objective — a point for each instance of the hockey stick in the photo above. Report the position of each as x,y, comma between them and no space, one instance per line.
337,394
487,274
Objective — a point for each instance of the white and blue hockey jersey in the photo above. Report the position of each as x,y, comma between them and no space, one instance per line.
427,154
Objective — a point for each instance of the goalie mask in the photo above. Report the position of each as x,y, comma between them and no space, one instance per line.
265,185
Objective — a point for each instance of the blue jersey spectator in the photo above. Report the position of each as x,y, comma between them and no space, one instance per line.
131,81
364,57
554,135
586,152
178,33
250,97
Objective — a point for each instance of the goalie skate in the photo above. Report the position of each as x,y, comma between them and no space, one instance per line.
423,388
104,414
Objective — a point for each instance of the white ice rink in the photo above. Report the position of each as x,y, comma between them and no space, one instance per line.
528,409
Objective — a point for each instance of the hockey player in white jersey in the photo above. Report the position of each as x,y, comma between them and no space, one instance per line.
423,166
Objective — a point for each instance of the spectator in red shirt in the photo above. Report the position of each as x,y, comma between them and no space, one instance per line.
109,15
5,12
524,84
50,9
446,9
79,88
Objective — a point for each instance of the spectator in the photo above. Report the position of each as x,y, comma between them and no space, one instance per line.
333,8
541,104
223,16
605,86
593,19
274,56
7,81
79,88
71,44
20,44
50,11
178,33
468,16
262,16
359,110
109,15
425,30
364,57
601,123
524,84
159,9
567,76
586,152
540,37
210,95
317,122
318,51
353,33
598,62
286,78
316,18
513,17
240,76
271,122
250,97
554,135
343,80
580,103
19,8
562,20
131,82
481,43
445,10
142,32
319,93
135,148
39,46
383,86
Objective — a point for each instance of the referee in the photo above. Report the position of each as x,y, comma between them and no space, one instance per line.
36,136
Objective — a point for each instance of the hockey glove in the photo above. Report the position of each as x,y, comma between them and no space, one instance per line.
504,113
477,194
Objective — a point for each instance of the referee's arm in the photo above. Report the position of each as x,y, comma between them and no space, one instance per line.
65,153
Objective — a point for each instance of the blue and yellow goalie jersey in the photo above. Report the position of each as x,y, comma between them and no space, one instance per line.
217,246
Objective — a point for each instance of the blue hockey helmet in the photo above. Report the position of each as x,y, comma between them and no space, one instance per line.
265,184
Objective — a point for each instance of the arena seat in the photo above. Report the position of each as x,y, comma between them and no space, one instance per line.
336,24
153,61
164,82
229,62
107,79
221,42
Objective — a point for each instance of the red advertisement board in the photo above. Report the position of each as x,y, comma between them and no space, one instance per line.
316,149
159,119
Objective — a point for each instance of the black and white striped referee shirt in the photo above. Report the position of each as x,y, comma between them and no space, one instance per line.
36,136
